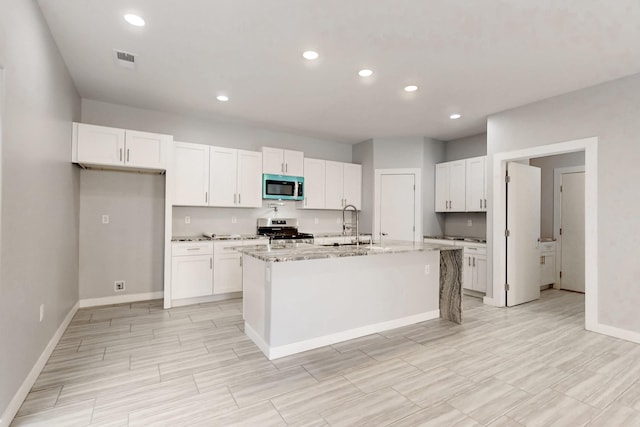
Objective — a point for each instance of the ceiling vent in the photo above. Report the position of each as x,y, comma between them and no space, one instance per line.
125,59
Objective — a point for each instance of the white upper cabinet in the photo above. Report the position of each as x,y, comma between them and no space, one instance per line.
352,189
343,185
119,148
476,189
235,178
277,161
314,184
450,186
190,174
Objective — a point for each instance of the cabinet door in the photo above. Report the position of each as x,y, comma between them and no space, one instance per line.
249,179
475,187
191,276
272,161
442,187
227,273
334,185
146,150
223,176
480,273
467,271
100,145
293,163
547,269
190,174
314,190
353,184
457,183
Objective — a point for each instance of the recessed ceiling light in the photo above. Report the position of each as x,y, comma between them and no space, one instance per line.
310,55
455,116
134,20
411,88
222,98
365,73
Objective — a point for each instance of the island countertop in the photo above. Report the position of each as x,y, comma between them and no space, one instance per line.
306,251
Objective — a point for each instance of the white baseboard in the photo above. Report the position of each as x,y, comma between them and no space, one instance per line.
23,391
202,300
120,299
491,301
612,331
299,347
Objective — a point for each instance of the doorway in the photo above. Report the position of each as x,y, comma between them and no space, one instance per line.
499,247
397,205
569,193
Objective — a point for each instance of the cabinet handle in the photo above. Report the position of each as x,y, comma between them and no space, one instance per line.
206,197
469,261
485,203
211,263
239,202
234,198
282,167
480,203
474,261
286,167
193,249
121,154
127,155
240,260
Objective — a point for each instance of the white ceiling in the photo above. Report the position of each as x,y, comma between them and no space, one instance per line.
468,56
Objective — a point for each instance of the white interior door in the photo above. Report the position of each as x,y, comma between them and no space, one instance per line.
523,223
397,206
572,232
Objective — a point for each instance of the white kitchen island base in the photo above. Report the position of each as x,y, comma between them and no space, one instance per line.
302,304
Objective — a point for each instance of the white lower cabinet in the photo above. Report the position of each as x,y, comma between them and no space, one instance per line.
191,269
474,275
227,265
547,263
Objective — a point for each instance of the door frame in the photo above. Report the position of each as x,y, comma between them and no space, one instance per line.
498,204
557,214
417,234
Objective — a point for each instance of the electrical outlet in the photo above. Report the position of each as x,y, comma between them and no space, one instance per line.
119,285
469,223
234,220
187,220
315,220
41,312
105,219
427,269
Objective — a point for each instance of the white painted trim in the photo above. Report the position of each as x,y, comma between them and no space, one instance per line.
13,407
590,147
202,300
490,301
557,215
612,331
120,299
299,347
417,235
168,223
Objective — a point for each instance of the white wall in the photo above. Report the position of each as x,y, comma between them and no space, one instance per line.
547,165
610,112
40,193
130,248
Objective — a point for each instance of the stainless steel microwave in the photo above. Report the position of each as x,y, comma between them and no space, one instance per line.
282,187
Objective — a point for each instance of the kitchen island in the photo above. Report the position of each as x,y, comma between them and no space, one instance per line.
298,297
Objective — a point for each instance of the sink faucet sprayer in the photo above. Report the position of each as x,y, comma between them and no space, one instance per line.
349,226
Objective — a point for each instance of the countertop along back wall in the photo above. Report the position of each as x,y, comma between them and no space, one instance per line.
130,247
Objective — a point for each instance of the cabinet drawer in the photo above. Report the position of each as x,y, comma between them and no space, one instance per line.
191,248
477,250
226,246
548,247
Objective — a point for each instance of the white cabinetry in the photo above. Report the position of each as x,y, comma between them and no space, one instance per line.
450,186
190,174
476,186
314,184
119,148
191,269
227,264
277,161
216,176
343,185
474,275
547,263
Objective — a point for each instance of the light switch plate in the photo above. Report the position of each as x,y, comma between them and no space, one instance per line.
187,220
105,219
469,223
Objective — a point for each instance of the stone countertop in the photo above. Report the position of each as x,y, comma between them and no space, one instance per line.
306,251
216,237
458,238
338,234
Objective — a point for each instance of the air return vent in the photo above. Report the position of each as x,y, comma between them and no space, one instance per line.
125,59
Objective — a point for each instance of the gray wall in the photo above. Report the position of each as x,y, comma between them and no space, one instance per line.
40,188
363,154
464,148
130,247
434,152
609,111
547,165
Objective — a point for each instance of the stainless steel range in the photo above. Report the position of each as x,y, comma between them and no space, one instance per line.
283,230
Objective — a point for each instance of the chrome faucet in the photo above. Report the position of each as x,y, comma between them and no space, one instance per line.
349,226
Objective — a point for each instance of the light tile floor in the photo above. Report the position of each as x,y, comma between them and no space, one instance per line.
139,365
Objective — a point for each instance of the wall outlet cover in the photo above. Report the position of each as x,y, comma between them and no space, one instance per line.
315,220
469,223
187,220
41,312
234,220
119,285
105,219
